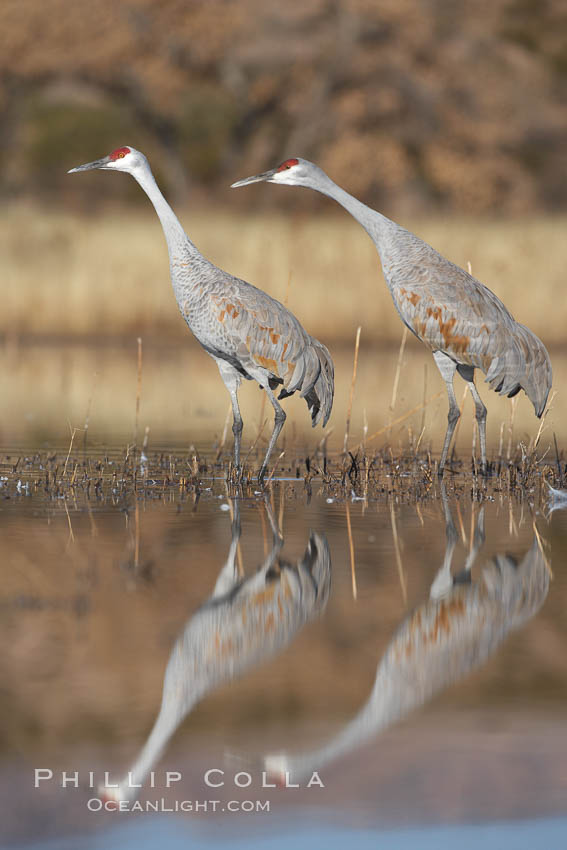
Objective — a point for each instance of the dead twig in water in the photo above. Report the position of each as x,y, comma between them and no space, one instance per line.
398,554
351,550
137,536
71,535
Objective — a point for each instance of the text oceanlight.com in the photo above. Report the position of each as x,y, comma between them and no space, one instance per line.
96,804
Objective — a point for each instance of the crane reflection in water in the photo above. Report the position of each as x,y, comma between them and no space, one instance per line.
244,622
456,630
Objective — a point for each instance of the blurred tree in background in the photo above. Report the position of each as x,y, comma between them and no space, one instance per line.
411,104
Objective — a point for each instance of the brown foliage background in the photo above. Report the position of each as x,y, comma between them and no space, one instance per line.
412,104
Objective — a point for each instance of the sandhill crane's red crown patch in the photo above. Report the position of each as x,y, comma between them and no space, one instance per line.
288,164
119,153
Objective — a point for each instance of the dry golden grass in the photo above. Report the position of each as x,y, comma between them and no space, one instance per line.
67,275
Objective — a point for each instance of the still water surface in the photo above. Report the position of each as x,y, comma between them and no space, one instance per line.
410,675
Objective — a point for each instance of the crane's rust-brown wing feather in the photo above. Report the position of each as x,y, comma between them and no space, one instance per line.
265,335
452,312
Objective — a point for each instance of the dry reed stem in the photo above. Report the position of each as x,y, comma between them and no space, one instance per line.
137,536
351,550
461,525
419,514
397,551
416,451
138,391
542,422
511,427
501,441
512,527
71,535
398,370
74,431
271,475
473,519
88,413
281,513
541,544
351,394
401,418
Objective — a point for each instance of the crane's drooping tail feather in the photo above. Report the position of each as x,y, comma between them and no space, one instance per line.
524,365
319,395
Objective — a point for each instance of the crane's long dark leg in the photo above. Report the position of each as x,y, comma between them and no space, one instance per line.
443,581
279,420
236,427
477,543
448,367
467,372
232,380
228,577
277,539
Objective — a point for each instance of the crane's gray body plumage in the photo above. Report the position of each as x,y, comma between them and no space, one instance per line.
255,335
452,312
249,334
458,318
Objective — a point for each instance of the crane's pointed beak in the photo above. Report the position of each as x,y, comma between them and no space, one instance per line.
98,163
258,178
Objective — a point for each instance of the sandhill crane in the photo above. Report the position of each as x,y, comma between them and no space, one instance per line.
243,623
463,323
444,639
247,333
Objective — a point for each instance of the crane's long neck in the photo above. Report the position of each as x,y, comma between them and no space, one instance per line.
171,714
376,225
178,243
386,704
